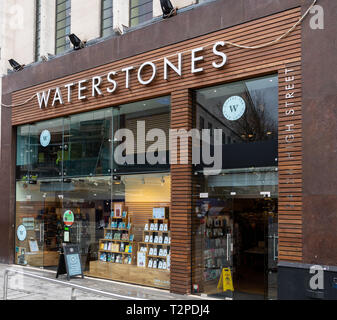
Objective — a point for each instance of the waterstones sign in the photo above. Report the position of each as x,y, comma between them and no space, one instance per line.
93,86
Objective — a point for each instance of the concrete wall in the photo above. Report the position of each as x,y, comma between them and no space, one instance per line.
121,13
48,26
86,19
19,34
176,3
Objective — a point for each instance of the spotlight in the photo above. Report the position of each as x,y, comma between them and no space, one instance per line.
120,30
76,42
15,65
168,10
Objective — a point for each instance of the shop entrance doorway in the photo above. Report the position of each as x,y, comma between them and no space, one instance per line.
236,228
254,247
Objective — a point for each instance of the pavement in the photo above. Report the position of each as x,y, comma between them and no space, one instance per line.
23,287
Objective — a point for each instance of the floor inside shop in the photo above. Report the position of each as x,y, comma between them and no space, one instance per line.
251,250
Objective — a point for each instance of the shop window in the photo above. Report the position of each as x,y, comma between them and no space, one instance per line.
37,29
246,112
121,213
140,11
63,21
106,18
210,127
201,123
236,225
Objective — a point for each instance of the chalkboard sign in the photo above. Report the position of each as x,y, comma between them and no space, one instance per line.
70,261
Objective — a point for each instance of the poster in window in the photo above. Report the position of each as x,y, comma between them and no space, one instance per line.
118,209
141,259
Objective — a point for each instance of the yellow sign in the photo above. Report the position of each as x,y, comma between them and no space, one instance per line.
226,280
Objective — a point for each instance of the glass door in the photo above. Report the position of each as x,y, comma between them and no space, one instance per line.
213,229
244,202
272,245
47,143
255,245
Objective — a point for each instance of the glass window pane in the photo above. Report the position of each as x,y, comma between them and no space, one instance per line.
106,18
106,4
107,32
107,23
63,20
140,11
75,172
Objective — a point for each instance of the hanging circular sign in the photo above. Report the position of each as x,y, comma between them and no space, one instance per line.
21,232
68,218
45,138
234,108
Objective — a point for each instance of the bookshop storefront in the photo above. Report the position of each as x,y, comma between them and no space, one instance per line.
83,174
69,189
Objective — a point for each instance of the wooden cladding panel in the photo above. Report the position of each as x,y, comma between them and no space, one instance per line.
181,193
290,163
140,213
240,62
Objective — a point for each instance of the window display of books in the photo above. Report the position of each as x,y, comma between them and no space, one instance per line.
154,250
215,247
117,244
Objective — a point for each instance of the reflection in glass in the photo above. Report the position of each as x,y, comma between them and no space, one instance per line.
236,219
67,164
260,119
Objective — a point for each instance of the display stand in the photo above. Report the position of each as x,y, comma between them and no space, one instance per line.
117,246
154,250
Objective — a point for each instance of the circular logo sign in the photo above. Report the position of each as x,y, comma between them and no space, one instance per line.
45,138
68,218
21,232
234,108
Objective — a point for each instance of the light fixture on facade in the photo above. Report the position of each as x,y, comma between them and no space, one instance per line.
168,10
15,65
76,41
162,181
120,30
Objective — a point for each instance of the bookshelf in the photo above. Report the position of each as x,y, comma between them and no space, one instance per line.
154,249
118,243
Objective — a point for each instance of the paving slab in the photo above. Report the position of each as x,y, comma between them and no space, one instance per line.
21,287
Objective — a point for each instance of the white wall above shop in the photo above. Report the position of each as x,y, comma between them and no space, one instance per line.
48,20
17,32
86,19
176,4
121,15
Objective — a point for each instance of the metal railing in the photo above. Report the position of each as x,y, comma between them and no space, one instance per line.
65,284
